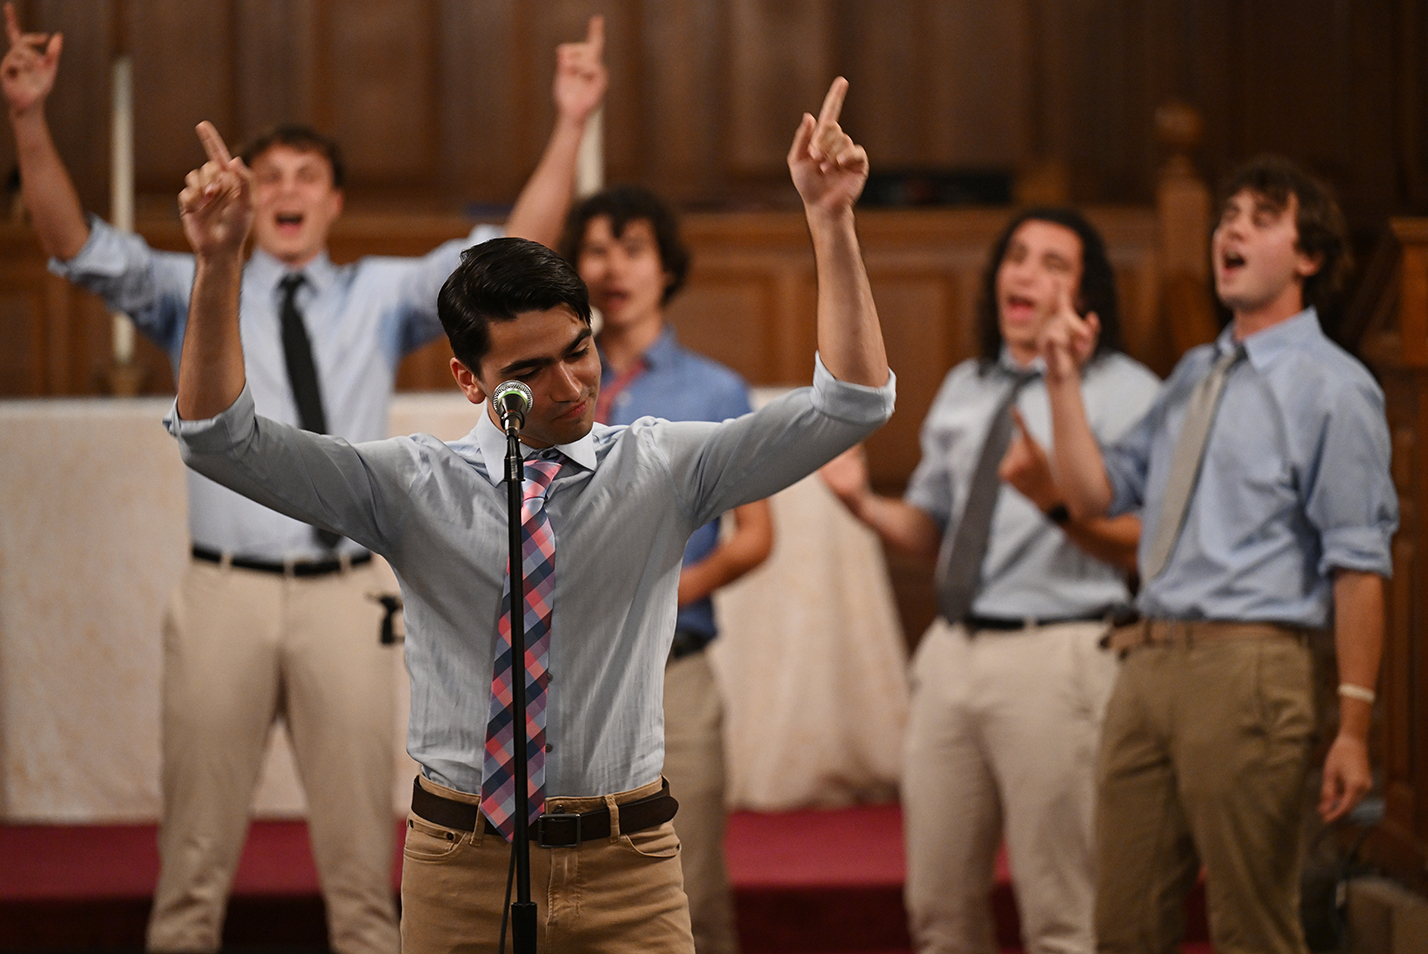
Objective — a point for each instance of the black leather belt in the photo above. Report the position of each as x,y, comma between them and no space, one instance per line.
1007,623
290,568
686,644
553,829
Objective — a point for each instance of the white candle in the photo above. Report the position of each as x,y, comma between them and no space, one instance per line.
121,186
590,163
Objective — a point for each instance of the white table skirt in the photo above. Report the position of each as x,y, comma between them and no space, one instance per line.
93,537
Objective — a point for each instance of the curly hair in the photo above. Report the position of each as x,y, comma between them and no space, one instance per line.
1318,220
623,205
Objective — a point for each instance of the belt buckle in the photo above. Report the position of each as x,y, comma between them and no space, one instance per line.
557,817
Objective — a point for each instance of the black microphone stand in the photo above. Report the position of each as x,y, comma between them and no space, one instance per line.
523,909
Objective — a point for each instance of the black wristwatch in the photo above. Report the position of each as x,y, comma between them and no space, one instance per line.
1058,514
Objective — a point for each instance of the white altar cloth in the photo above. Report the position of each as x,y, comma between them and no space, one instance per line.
93,537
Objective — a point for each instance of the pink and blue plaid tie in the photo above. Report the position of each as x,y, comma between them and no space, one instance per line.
498,789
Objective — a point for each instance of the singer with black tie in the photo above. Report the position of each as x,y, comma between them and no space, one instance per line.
605,515
271,618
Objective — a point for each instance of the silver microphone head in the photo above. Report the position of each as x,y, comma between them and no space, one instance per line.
512,398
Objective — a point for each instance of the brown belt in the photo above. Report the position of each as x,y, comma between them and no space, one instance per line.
1188,632
553,829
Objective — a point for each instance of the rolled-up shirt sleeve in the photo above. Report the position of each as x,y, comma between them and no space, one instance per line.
716,467
1127,462
1350,498
150,286
316,478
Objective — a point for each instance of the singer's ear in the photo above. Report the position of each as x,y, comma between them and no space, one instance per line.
467,382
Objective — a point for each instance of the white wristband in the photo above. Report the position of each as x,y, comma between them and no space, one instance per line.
1357,692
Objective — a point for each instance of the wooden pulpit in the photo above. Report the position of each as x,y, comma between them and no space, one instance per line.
1392,312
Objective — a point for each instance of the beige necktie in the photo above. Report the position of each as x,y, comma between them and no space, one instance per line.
1185,462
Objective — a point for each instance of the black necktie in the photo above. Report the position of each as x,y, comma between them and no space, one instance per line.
959,569
302,374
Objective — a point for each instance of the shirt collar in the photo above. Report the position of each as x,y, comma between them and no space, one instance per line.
1005,362
491,441
663,350
1263,347
267,270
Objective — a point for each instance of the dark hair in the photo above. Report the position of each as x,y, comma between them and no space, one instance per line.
498,281
1097,291
1322,233
301,138
626,204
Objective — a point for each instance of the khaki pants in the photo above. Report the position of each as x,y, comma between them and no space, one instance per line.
619,894
242,648
1205,757
1001,743
694,766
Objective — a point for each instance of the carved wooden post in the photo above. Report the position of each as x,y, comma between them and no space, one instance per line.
1182,207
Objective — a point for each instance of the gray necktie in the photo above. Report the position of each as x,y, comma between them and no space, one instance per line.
1185,462
959,565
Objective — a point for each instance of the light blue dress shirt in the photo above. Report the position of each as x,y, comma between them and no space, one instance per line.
621,512
679,385
1294,482
362,318
1031,568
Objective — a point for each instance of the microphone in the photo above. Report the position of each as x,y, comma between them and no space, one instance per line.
512,401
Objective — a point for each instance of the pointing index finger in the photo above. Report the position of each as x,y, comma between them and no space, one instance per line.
833,102
595,35
12,24
213,143
1064,301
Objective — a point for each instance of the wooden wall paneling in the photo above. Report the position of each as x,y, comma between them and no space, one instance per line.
378,92
780,64
914,305
886,53
273,79
682,100
482,50
25,358
183,55
1411,87
1058,31
1188,58
1113,143
1366,107
62,324
978,107
730,313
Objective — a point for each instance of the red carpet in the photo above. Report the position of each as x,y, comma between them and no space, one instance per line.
808,882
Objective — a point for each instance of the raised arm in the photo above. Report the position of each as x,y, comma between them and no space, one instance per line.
580,82
27,74
900,524
216,207
1066,344
829,171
